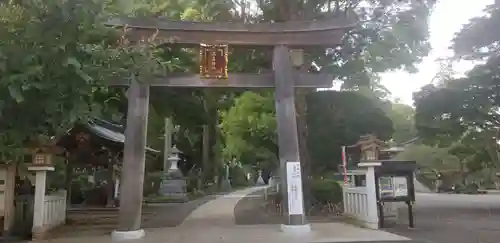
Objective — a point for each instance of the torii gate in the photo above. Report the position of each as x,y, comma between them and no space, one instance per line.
213,39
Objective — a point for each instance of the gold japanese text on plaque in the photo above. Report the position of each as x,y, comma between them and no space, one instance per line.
213,61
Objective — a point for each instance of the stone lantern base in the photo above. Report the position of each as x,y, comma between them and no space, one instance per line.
174,186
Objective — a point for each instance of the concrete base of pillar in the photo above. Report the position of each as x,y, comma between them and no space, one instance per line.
296,229
118,236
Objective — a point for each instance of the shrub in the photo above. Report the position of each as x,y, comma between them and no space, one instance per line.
326,191
238,178
152,183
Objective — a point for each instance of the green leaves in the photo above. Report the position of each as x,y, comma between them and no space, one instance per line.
403,120
15,93
479,39
471,103
336,119
55,59
71,61
249,130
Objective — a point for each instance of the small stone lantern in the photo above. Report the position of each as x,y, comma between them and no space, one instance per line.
174,159
173,184
370,147
42,159
260,180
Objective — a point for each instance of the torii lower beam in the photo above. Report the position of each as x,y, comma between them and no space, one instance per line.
237,80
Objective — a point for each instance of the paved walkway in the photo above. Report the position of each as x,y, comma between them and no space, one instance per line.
453,218
213,222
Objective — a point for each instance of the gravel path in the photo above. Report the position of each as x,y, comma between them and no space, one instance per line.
171,214
448,218
251,210
154,216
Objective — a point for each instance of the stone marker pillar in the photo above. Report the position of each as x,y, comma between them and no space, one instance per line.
38,208
372,219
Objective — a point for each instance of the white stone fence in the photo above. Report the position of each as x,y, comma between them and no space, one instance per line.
356,202
54,209
360,202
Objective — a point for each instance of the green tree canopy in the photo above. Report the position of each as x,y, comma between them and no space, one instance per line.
55,59
402,117
249,130
466,110
337,118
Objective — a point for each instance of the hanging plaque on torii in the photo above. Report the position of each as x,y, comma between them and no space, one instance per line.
213,61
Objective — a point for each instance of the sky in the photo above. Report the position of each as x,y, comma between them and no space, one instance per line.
446,19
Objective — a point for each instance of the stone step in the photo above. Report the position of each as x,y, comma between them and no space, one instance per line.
97,216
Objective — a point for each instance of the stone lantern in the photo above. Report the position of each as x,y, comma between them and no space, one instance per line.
370,147
41,158
173,160
173,184
260,180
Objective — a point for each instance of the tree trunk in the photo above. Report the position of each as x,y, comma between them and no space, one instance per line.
493,152
68,179
205,153
167,145
216,160
110,186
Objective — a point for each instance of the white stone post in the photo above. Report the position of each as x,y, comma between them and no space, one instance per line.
372,219
38,209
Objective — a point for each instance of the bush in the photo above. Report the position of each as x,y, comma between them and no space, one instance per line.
152,182
238,178
326,191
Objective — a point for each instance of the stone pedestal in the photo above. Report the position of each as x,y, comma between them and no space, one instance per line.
39,229
371,218
174,188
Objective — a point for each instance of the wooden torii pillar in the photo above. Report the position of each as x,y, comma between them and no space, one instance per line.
214,38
